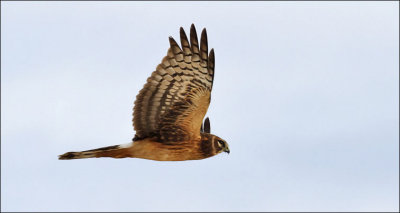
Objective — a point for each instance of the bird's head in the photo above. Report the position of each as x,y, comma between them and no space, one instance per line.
220,145
212,144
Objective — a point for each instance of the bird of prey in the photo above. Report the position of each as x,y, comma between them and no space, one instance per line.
169,109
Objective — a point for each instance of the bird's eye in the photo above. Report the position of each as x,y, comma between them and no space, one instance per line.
221,143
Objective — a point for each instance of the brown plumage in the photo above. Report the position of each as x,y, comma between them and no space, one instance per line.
169,110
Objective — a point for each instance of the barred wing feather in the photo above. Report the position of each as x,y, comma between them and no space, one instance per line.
175,99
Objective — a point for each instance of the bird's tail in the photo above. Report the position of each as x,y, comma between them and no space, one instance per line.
116,151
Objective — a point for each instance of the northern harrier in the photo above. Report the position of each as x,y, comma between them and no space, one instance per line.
169,110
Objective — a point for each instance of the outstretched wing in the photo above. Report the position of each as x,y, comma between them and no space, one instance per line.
173,102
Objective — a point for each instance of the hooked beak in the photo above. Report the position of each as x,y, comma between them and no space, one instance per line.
227,150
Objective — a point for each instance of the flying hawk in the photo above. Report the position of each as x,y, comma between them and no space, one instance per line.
169,110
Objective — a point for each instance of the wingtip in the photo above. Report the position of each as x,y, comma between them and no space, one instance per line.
182,32
207,126
192,27
204,32
171,40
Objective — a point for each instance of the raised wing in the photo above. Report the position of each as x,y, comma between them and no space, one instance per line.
173,102
206,127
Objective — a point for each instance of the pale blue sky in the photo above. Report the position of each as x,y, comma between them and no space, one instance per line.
305,93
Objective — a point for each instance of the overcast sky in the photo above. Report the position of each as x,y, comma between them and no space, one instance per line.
305,93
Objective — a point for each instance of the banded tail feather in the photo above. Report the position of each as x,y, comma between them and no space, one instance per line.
116,151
